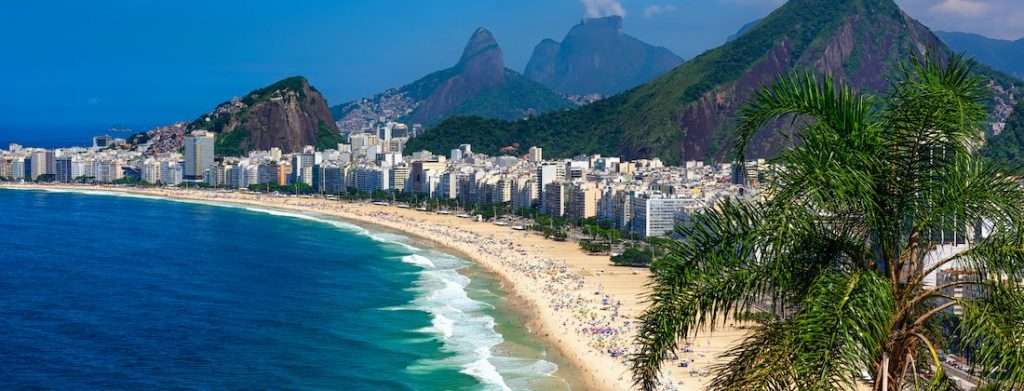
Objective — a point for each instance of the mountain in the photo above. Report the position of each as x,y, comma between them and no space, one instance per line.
1003,55
289,114
479,84
596,57
743,30
1007,146
690,112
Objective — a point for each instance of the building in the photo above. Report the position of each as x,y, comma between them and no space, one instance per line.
399,177
267,173
555,194
535,155
419,181
302,167
102,141
583,199
524,193
199,152
655,215
62,170
369,179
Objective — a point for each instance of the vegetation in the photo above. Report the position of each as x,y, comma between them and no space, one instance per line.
295,188
838,250
594,246
231,143
327,138
130,181
634,256
1008,147
294,83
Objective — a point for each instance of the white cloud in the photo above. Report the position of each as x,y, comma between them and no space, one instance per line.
658,9
993,18
971,8
602,8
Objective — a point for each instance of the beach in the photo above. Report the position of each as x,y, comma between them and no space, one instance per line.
578,303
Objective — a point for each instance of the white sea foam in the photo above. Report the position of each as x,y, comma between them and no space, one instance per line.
418,260
464,327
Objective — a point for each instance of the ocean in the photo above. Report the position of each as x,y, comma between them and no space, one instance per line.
117,292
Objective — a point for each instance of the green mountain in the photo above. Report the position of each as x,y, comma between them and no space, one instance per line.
479,84
1003,55
289,114
690,112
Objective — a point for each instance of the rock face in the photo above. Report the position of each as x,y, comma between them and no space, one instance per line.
289,114
596,57
482,67
478,85
690,112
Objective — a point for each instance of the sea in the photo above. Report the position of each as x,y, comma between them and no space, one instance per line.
105,292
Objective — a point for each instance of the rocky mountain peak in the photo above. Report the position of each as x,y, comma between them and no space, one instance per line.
481,43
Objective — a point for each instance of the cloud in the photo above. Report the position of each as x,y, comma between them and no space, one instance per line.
970,8
602,8
658,9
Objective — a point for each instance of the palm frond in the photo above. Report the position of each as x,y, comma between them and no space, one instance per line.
841,329
994,326
760,362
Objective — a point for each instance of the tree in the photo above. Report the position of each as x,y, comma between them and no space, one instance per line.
841,244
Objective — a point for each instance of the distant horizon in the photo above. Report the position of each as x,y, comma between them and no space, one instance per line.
177,64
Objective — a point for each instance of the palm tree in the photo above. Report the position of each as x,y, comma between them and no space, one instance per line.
839,249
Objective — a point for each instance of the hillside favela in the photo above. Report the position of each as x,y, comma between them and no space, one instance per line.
552,195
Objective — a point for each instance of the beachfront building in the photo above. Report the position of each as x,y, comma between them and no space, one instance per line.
369,179
422,170
399,176
654,215
199,152
302,166
62,170
555,194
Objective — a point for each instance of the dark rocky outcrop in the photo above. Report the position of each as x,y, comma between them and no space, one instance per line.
289,114
597,57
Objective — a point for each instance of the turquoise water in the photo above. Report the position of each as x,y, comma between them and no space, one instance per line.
112,292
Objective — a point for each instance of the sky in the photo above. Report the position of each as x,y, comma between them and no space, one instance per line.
140,63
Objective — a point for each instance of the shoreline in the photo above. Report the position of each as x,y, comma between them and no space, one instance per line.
578,304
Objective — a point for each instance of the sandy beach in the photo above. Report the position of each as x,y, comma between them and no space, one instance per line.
580,304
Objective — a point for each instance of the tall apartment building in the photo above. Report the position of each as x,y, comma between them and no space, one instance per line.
199,152
302,167
583,199
62,170
399,177
555,194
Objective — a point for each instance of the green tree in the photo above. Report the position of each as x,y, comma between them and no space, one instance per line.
838,249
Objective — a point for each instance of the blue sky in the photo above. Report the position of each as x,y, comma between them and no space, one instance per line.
147,62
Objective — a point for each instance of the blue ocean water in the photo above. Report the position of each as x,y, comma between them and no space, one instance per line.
105,292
